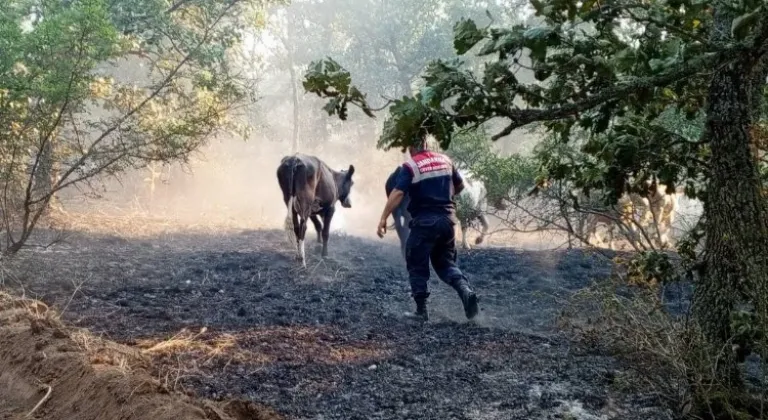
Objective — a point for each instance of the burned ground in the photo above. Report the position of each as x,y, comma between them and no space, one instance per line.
232,315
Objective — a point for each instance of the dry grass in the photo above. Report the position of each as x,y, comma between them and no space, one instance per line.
636,329
665,355
264,345
80,366
188,355
29,308
188,342
98,350
102,352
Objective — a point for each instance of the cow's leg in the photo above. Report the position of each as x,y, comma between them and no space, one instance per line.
610,232
327,216
318,227
464,243
296,231
599,236
589,230
303,234
669,217
483,231
663,239
657,209
406,234
664,228
630,227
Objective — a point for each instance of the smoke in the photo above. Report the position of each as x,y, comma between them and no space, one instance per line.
234,182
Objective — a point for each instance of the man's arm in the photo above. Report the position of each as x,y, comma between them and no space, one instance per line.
395,197
394,200
402,183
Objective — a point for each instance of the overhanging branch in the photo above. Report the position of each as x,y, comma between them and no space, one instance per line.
523,117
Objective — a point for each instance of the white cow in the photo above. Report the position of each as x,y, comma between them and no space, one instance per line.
471,206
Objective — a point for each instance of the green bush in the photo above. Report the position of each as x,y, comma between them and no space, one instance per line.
506,178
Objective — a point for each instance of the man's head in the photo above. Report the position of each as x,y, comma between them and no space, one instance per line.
428,143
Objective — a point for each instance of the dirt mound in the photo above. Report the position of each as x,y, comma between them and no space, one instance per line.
50,371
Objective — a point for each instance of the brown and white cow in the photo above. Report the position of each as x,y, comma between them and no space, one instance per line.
623,214
310,190
663,207
651,204
634,211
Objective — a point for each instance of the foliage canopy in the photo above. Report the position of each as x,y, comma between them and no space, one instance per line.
94,87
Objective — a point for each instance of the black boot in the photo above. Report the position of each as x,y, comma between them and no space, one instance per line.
421,307
468,298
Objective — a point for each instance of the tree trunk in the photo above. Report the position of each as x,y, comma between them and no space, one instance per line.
46,175
736,249
405,85
403,77
758,78
295,97
289,42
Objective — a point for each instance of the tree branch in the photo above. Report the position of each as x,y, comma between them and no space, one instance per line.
664,25
162,85
522,117
176,6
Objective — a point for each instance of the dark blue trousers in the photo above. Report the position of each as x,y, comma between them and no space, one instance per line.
432,238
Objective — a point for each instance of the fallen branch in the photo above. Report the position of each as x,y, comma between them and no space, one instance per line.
42,401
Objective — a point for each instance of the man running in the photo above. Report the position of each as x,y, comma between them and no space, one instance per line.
431,180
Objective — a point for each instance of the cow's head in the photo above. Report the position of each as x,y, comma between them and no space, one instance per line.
345,186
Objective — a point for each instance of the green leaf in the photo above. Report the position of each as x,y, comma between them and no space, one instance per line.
587,5
538,33
542,74
741,26
466,35
657,65
538,5
625,59
429,96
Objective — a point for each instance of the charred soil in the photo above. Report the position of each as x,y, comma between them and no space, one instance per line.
232,315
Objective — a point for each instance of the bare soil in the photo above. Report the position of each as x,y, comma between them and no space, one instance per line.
230,315
50,371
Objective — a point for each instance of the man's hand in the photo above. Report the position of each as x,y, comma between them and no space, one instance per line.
395,197
382,230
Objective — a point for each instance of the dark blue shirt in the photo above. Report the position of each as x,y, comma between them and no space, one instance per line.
430,179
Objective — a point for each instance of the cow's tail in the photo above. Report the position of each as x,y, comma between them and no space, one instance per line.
396,222
290,228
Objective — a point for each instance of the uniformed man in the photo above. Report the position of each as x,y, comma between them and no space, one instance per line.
431,180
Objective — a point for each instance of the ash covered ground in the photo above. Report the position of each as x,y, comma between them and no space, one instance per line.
330,342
